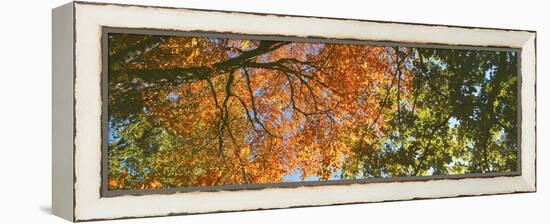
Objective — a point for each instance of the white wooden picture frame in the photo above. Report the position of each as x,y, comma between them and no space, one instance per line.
77,111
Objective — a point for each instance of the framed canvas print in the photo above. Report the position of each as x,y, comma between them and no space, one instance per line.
168,111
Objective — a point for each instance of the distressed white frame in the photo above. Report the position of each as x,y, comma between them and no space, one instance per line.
89,20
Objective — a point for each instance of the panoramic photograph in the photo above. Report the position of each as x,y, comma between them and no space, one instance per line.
197,111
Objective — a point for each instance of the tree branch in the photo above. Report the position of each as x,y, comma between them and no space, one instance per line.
130,53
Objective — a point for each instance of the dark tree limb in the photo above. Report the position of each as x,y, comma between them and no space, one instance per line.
131,53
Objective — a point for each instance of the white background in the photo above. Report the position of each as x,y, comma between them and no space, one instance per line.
25,112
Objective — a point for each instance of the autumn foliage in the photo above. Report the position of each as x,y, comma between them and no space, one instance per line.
193,111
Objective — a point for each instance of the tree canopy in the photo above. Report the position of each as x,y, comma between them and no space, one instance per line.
195,111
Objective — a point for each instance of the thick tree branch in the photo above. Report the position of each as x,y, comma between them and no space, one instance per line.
141,79
130,53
